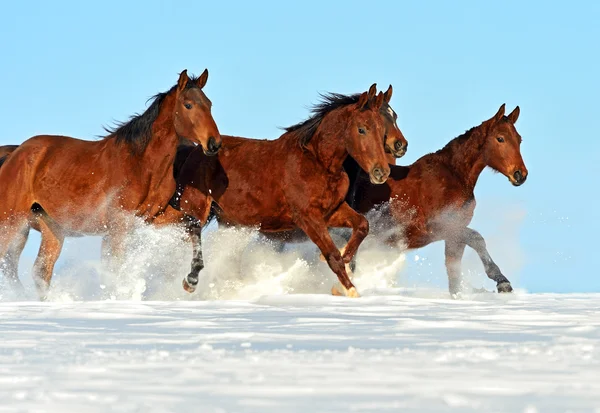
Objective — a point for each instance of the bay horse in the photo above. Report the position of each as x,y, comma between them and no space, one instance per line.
433,199
295,181
62,186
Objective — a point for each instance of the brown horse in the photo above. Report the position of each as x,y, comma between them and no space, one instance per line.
63,186
300,182
433,199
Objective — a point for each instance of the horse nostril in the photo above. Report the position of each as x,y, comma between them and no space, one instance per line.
213,146
518,176
398,145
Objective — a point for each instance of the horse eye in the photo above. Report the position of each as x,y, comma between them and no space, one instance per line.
500,139
361,131
188,105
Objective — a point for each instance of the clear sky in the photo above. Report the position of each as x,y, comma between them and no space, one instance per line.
69,67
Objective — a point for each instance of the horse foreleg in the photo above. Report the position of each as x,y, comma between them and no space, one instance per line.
190,282
317,231
195,207
474,240
50,248
454,253
113,248
346,217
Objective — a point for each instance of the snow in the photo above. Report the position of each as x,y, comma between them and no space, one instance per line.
393,350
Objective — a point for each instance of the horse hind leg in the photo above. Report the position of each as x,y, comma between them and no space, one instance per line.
10,263
454,250
50,249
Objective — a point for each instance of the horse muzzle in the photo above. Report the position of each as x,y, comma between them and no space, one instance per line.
379,174
518,178
212,148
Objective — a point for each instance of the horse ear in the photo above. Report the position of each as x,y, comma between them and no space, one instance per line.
201,82
182,82
363,100
379,101
372,91
499,114
387,96
514,115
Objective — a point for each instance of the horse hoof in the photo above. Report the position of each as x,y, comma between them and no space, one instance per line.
504,287
336,292
457,295
187,287
352,293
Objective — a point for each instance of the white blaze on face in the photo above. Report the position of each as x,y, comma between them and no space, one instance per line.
391,112
393,115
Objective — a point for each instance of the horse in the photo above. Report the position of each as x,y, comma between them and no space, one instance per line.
62,186
295,181
433,199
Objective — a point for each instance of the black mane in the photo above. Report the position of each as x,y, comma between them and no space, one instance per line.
329,101
137,131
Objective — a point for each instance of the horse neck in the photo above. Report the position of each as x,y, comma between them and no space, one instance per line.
327,143
465,156
164,141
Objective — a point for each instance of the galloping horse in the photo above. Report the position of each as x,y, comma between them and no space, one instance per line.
63,186
295,181
433,199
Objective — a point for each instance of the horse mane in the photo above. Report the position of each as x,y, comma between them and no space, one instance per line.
137,130
329,101
473,133
305,130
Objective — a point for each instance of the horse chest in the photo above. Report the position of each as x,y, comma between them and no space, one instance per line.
332,194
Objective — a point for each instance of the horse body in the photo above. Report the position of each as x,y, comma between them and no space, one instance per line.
99,177
276,199
65,186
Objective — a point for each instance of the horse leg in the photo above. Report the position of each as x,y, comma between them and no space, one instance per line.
454,253
105,250
474,240
10,264
113,249
50,248
194,229
346,217
317,232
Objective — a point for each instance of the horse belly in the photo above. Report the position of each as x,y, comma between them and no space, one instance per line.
255,208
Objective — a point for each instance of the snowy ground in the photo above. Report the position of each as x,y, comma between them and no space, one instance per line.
304,353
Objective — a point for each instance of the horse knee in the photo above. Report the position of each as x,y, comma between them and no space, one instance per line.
363,227
475,240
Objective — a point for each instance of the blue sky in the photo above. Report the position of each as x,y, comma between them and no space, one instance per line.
71,67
